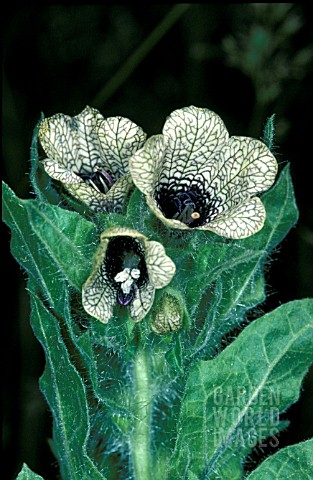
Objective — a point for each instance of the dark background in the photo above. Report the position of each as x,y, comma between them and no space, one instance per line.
244,61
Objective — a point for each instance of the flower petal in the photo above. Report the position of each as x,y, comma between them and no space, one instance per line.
142,303
111,201
193,134
59,172
171,222
146,163
115,198
240,222
88,150
119,138
161,268
203,129
121,231
57,140
98,297
72,142
245,167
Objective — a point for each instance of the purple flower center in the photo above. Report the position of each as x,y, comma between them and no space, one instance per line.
189,205
125,298
99,179
126,268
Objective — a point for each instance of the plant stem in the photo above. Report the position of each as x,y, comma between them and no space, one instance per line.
140,437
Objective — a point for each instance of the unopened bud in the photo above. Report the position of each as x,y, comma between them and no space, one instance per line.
167,316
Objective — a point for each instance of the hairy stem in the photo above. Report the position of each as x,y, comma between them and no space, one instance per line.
140,437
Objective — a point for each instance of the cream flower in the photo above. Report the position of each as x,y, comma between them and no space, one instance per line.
195,176
127,270
89,155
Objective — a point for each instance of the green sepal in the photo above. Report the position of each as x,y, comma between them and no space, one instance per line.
27,474
269,132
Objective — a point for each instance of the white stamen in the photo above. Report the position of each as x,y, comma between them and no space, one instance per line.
122,276
93,185
126,286
104,185
127,278
135,273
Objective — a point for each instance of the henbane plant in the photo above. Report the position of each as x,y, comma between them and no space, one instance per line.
142,255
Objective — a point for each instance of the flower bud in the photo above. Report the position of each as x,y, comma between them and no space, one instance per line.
168,315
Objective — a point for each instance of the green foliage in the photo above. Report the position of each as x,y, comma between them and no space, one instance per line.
294,463
65,392
129,403
27,474
232,402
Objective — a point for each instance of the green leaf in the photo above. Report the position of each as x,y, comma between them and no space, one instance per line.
68,238
192,476
49,242
66,394
234,401
140,216
28,251
294,462
233,270
27,474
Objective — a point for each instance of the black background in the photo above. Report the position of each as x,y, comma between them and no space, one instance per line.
59,58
